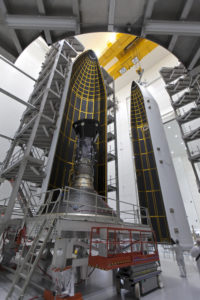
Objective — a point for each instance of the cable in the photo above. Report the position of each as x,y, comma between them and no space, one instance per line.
91,272
44,272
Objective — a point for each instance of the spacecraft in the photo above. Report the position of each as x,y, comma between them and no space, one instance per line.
83,197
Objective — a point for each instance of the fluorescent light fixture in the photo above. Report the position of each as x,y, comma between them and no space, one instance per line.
135,60
169,127
122,70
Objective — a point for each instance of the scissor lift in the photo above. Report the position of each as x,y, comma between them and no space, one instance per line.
131,252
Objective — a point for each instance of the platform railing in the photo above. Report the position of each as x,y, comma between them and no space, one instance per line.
60,201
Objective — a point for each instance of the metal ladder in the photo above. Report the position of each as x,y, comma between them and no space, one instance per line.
30,157
25,271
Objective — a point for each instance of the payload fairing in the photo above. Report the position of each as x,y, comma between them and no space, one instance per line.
86,99
156,178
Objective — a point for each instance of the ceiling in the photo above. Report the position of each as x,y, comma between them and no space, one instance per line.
118,52
99,43
124,53
173,24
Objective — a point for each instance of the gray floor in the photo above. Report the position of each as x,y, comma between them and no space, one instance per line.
175,288
100,285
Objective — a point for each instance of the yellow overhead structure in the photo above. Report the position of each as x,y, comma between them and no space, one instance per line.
114,49
129,50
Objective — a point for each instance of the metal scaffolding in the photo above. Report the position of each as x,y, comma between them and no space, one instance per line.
184,92
112,153
29,160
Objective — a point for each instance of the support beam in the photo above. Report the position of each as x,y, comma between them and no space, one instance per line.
194,59
76,12
195,71
149,9
186,9
13,34
16,41
7,54
18,69
184,14
172,27
17,99
148,12
47,33
172,42
35,170
41,22
45,130
111,15
6,137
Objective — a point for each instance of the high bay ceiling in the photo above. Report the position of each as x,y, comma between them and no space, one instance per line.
174,25
122,54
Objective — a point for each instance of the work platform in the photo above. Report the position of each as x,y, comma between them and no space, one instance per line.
56,222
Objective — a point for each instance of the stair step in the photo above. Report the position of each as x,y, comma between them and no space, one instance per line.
171,74
179,86
18,287
28,264
111,188
110,136
24,276
110,103
190,115
187,98
111,157
110,119
192,135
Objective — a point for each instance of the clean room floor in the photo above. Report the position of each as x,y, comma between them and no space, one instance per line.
100,285
175,288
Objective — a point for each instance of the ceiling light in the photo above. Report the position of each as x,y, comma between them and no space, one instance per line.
181,143
176,136
172,152
169,127
112,37
122,70
135,60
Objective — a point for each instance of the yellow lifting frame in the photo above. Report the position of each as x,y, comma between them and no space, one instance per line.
113,50
125,49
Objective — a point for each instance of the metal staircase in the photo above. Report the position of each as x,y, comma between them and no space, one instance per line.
25,270
29,160
184,92
112,156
